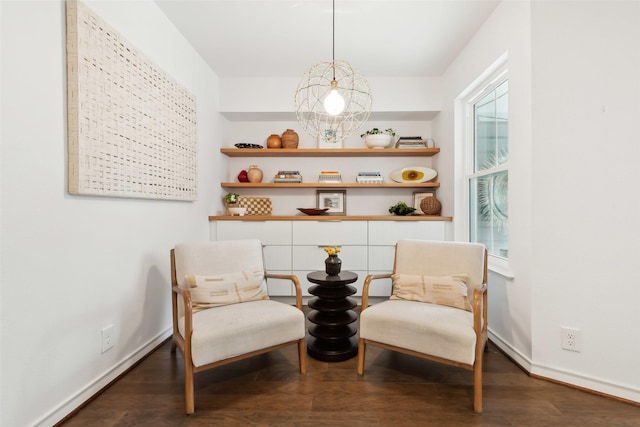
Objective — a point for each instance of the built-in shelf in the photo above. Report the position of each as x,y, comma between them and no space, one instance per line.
327,185
329,152
303,217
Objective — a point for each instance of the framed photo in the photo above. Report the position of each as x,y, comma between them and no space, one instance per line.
334,200
419,195
331,136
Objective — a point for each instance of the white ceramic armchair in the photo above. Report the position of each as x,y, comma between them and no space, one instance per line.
221,310
430,314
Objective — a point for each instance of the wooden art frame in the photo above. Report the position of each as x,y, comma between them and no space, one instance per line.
334,200
419,195
132,129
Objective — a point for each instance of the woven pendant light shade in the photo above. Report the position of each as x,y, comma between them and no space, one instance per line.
316,85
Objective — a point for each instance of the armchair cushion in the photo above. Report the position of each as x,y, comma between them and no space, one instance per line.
223,289
444,290
432,329
232,330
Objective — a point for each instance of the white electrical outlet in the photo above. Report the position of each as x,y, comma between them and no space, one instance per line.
571,339
107,338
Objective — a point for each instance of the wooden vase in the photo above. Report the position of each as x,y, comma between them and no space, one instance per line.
274,141
290,139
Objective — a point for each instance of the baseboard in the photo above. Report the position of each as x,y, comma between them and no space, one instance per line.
512,353
589,384
570,379
90,390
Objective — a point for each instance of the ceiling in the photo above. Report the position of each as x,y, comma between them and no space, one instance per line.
283,38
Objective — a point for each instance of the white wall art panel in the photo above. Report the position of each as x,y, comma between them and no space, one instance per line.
131,127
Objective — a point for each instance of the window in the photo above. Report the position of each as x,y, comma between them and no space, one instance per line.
488,170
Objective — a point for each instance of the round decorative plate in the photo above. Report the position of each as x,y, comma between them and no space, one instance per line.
313,211
413,174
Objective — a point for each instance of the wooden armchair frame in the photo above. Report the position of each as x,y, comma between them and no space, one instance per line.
184,343
479,303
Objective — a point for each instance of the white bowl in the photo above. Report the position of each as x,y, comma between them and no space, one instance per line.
237,211
381,140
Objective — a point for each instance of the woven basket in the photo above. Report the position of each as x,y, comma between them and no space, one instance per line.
430,206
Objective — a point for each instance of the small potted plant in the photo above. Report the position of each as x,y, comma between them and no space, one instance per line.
231,200
401,208
376,138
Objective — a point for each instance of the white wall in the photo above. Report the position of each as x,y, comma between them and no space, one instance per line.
506,32
277,94
72,265
574,99
585,109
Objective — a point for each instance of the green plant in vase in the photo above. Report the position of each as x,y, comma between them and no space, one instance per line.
376,138
231,198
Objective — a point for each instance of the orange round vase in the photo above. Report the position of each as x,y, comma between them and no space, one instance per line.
274,141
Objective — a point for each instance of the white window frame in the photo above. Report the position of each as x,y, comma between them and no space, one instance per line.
488,81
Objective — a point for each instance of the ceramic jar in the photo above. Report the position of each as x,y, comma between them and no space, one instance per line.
274,141
290,139
254,174
332,265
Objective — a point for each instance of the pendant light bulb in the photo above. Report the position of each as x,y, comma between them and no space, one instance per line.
334,102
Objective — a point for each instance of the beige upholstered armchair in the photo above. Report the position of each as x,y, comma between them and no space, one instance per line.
221,310
429,314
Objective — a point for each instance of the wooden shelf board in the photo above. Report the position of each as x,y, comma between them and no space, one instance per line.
303,217
329,152
327,185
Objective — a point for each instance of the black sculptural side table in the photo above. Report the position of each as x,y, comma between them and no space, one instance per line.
333,332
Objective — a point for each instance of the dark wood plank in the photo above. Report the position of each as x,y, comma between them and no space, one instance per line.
396,390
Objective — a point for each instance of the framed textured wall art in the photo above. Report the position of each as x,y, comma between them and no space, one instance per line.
131,127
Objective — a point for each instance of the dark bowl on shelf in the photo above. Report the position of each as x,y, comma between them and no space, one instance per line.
244,145
313,211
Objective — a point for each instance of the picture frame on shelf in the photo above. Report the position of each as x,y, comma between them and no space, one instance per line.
331,136
419,195
333,200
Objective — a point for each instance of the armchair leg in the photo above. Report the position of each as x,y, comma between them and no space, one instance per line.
188,389
302,356
477,386
361,349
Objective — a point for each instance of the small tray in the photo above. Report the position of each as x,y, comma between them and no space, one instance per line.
313,211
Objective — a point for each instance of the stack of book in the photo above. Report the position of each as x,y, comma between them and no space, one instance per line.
287,176
369,178
411,142
330,177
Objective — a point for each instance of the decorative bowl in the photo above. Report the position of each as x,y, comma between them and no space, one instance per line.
380,140
413,174
237,211
313,211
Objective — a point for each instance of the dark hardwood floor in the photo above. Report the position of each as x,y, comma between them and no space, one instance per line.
396,390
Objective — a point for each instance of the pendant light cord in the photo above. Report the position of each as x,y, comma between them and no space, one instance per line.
333,47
